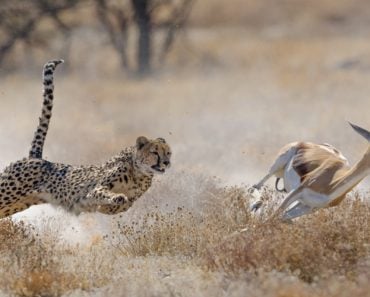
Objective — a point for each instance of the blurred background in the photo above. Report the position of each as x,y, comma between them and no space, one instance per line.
226,83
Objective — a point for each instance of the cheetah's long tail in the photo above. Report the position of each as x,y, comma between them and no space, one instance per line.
48,94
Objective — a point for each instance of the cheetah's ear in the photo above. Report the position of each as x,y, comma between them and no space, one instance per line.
141,141
161,140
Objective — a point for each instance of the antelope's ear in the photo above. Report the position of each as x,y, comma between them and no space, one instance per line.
363,132
141,142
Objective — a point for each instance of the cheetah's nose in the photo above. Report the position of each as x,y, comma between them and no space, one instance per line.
166,163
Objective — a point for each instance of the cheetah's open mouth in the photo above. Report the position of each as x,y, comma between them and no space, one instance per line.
158,169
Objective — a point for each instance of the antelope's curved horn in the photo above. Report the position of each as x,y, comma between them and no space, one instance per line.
363,132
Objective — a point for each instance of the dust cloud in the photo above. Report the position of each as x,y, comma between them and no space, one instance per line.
226,121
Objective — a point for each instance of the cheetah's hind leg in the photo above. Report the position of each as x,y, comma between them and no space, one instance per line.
10,206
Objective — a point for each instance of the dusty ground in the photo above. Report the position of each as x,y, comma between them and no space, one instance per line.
225,111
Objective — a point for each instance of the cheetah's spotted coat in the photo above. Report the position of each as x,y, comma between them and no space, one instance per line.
109,188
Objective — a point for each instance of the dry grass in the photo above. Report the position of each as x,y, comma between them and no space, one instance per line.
32,264
167,252
316,247
230,98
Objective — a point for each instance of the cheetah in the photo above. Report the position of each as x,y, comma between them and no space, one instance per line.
109,188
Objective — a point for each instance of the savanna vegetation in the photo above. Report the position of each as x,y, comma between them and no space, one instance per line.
215,249
239,80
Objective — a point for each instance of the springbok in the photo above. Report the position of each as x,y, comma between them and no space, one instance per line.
316,176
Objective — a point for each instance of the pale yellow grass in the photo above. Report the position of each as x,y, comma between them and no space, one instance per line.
201,251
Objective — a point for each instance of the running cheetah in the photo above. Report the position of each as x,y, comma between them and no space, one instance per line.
109,188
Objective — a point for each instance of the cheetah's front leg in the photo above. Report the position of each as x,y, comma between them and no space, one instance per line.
103,196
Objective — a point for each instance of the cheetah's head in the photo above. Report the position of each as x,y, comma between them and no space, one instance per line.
153,155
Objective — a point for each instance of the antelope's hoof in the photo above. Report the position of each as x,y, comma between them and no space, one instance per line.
256,206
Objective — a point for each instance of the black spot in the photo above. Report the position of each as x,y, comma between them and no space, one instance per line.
48,72
126,178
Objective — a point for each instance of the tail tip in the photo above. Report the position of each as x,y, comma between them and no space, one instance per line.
54,63
57,62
